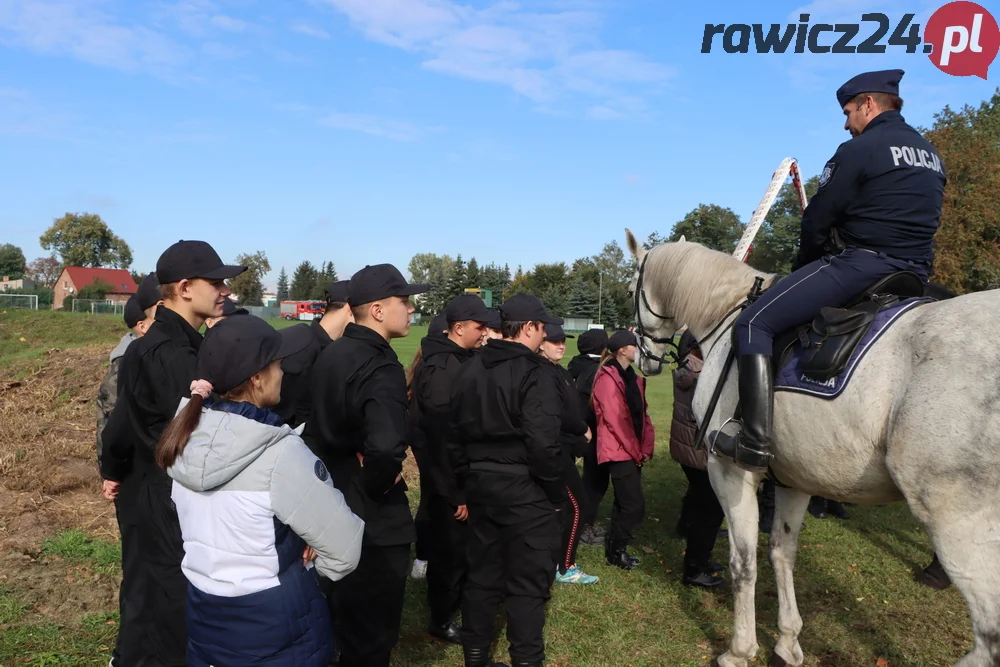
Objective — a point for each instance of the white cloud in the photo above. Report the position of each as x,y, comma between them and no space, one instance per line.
228,23
549,57
310,30
374,125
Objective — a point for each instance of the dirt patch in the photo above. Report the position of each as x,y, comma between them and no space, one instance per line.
55,590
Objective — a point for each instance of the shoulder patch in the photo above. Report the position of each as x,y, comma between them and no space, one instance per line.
828,171
321,471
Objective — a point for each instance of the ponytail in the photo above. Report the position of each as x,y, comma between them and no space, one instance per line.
411,371
175,436
607,356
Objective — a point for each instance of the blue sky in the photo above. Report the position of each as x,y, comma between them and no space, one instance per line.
364,131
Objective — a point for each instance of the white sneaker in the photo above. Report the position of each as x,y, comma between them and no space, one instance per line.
419,570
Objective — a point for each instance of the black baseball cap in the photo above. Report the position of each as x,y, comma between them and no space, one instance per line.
438,324
229,307
495,322
148,294
337,292
237,348
620,339
133,312
380,281
186,260
526,308
554,332
467,307
594,341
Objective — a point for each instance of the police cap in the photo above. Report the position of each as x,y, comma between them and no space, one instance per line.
526,308
238,348
882,81
337,292
620,339
186,260
381,281
466,307
133,312
593,341
148,294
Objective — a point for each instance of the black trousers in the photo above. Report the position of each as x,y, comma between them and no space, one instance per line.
510,562
705,515
595,484
129,593
422,524
571,515
446,569
368,606
630,503
156,635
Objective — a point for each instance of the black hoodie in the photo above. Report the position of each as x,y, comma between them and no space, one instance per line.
506,411
430,403
583,368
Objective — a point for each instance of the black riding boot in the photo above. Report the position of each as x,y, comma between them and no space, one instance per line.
480,657
616,554
750,447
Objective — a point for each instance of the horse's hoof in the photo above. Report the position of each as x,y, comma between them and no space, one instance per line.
777,661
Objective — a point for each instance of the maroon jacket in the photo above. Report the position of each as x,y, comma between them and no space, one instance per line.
616,439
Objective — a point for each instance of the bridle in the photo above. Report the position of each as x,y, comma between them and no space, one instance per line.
639,297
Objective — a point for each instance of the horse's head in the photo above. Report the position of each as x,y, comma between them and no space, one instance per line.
656,327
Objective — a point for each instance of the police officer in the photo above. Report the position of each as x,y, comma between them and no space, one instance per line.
443,357
596,478
358,427
156,373
875,213
295,400
505,452
118,484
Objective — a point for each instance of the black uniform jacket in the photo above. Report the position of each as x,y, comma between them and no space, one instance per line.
583,368
358,392
506,408
295,400
155,374
881,191
573,426
431,403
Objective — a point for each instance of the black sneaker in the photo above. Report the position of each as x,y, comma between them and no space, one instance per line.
703,580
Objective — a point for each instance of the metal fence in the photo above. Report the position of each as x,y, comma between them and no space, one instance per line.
12,301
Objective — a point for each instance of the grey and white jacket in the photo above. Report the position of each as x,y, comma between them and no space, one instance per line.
242,479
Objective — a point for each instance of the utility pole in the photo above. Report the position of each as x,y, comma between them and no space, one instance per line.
600,298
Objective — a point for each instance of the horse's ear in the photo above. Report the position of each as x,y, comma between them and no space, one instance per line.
634,246
682,239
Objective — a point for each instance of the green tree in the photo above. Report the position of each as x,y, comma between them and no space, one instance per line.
12,262
777,241
84,239
44,271
303,281
653,240
456,279
712,226
497,279
472,277
249,285
967,244
432,269
326,275
138,276
95,291
582,299
282,286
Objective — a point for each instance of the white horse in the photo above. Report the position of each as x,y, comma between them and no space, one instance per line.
919,421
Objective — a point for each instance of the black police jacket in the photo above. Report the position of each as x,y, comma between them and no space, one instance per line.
506,409
584,368
881,191
358,392
156,373
572,426
295,401
431,400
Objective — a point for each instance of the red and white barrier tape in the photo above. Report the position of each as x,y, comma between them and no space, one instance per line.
787,166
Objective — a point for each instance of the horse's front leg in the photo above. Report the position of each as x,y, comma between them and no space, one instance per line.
790,507
737,493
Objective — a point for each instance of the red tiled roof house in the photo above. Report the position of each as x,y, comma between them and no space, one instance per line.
75,278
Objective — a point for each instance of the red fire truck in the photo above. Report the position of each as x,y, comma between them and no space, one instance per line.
302,310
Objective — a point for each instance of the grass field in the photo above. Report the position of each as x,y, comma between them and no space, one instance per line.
58,551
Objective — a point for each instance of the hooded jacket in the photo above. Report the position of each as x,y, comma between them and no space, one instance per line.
572,427
431,404
106,397
683,426
583,368
250,496
296,401
506,411
616,436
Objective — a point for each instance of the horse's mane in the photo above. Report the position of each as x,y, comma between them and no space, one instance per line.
696,284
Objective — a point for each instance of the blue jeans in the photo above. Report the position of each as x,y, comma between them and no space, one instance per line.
832,281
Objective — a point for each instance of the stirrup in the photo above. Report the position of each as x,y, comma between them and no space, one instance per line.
748,458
